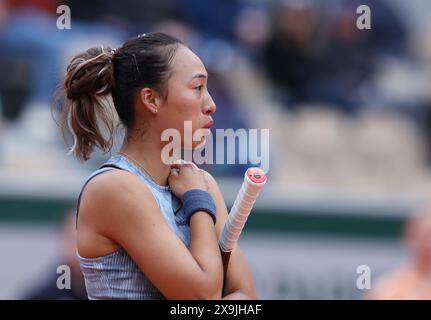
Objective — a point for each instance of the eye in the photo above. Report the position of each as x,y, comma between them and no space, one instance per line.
199,88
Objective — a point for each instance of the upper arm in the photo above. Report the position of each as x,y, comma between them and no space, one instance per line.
129,215
239,276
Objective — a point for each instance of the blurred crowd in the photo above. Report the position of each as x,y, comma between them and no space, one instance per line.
411,279
345,107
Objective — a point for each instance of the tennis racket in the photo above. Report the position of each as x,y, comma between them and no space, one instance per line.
254,180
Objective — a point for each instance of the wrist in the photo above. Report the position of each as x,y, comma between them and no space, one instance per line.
196,200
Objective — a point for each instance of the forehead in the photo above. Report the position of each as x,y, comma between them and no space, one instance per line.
187,63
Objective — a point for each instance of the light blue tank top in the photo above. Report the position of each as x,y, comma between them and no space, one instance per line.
116,275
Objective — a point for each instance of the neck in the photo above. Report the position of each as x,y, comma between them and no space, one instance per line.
145,153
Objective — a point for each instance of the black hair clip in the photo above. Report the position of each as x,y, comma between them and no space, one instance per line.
136,65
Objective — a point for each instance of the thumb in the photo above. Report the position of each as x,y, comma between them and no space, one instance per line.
174,172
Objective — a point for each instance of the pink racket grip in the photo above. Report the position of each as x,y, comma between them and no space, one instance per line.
254,180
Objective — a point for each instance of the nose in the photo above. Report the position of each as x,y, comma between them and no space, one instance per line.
209,106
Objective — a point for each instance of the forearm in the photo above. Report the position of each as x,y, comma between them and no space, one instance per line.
238,295
238,283
204,248
245,292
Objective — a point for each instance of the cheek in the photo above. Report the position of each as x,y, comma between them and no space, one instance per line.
186,106
184,101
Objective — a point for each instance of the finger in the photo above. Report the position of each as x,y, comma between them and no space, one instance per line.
175,170
175,166
179,165
194,165
179,161
173,174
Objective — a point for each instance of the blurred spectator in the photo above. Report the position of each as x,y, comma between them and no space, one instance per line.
388,31
351,57
30,40
290,55
317,53
411,281
134,15
27,51
213,18
252,29
48,290
347,61
47,6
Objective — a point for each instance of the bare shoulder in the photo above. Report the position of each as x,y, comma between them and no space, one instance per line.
106,201
110,189
111,181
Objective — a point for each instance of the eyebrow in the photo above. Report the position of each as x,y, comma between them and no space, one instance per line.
199,75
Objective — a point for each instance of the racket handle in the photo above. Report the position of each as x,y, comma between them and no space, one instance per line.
225,258
254,180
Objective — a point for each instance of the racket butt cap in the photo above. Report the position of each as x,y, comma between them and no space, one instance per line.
256,175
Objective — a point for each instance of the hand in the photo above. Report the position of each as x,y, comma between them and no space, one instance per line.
185,176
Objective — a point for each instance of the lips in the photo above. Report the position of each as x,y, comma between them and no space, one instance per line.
209,124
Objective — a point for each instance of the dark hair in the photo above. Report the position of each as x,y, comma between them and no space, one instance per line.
95,75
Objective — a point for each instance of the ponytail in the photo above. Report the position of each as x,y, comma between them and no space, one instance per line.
87,108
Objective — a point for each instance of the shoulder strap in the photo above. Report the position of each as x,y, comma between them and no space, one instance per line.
104,168
110,165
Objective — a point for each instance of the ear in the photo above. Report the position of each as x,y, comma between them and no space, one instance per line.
151,99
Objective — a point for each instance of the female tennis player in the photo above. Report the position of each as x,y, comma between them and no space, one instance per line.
146,229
